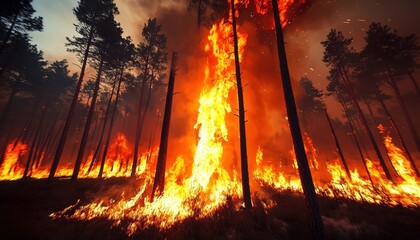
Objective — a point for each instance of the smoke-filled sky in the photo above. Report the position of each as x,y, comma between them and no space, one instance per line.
305,33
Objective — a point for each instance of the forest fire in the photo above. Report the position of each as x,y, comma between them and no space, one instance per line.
115,165
381,191
199,177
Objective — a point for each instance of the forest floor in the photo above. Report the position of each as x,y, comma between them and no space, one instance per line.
25,207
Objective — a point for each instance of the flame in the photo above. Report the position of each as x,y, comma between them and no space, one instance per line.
209,184
262,7
310,150
116,163
196,189
11,167
381,191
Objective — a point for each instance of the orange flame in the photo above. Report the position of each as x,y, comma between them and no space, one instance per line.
11,167
262,7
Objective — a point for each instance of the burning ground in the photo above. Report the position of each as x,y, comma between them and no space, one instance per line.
25,207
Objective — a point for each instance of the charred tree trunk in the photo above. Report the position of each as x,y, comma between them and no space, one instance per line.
337,144
403,144
370,112
111,124
103,127
139,122
66,128
365,125
48,138
242,130
88,123
304,171
7,108
416,86
404,110
34,141
159,180
354,135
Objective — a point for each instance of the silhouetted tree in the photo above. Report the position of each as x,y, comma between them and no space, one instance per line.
241,114
341,58
382,54
337,89
24,72
159,180
17,17
304,171
310,104
110,36
88,13
151,56
208,11
124,57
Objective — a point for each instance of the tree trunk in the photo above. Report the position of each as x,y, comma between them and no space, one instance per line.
242,130
34,141
111,124
354,134
103,127
159,180
139,122
48,139
403,144
371,113
365,125
337,144
7,108
88,124
304,171
63,138
416,86
404,110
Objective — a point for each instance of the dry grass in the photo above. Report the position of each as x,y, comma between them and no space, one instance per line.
25,206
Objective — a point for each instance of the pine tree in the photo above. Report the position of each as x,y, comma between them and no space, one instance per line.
151,56
304,171
17,17
242,130
338,55
88,13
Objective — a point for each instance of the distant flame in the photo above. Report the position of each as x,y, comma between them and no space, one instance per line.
11,168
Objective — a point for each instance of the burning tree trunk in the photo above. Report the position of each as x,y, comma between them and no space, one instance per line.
88,123
34,141
95,155
337,144
47,140
66,129
304,171
138,130
242,131
354,134
111,124
365,124
159,181
404,145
